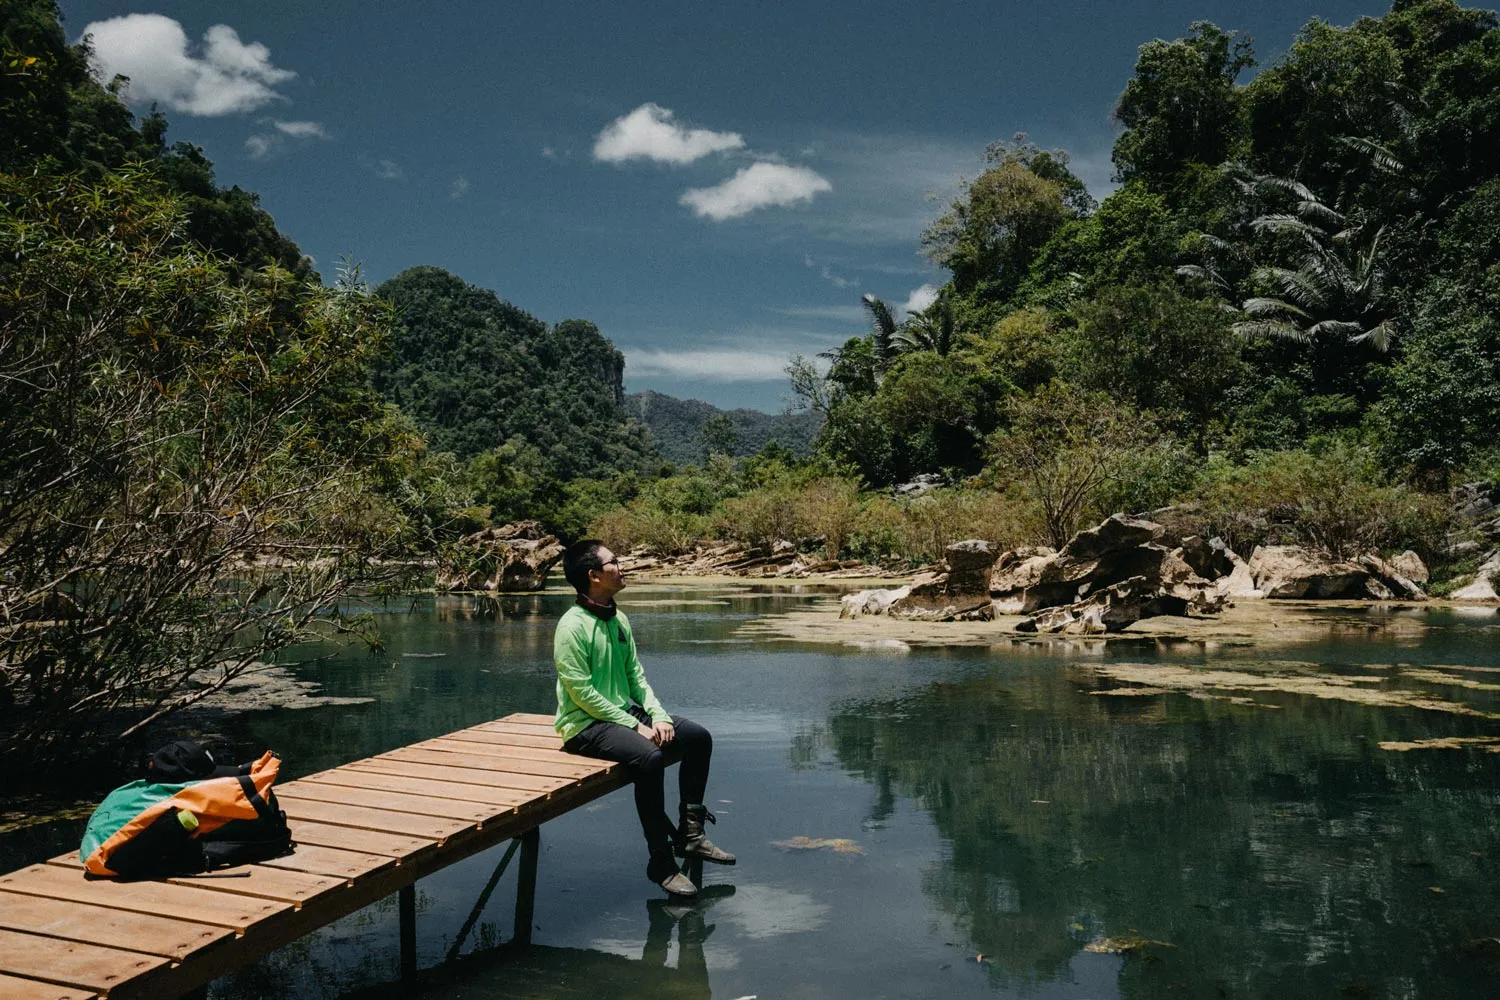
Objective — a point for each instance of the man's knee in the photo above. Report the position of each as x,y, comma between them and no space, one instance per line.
689,732
648,763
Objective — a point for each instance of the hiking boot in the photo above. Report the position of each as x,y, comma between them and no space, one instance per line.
662,869
692,843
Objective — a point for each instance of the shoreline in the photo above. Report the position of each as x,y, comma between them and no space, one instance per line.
1263,622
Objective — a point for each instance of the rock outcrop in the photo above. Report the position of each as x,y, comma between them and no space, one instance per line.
870,602
1482,587
1291,571
515,557
1109,576
960,591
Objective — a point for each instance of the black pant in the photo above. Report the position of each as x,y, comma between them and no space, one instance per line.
647,763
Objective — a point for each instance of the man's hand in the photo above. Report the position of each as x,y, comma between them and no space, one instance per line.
664,733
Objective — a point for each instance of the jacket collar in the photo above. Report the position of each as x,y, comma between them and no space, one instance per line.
604,612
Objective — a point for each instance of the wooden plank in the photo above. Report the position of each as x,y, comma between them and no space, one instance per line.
499,742
74,963
520,730
379,798
381,820
348,838
419,786
508,760
394,764
12,988
533,718
141,932
296,888
180,902
331,861
481,735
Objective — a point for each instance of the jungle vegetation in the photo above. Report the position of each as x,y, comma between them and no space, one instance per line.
1288,313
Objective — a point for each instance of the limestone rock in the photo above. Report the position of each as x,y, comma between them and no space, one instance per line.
1291,571
1482,587
1116,533
1109,575
1480,590
870,602
1409,565
513,557
1209,559
1116,607
961,590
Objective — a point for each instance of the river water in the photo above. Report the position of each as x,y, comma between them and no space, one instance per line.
988,826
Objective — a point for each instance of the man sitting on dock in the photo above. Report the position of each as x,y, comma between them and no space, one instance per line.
605,709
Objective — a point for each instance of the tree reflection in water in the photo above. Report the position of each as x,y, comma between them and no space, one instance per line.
1275,851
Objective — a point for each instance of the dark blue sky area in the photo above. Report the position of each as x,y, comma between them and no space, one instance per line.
714,185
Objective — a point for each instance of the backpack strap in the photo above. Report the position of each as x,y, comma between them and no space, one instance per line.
262,807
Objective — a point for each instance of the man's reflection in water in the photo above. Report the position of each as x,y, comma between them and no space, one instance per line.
688,917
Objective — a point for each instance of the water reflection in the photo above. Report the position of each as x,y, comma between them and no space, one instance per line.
671,963
1271,851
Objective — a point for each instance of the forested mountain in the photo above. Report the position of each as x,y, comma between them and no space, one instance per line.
477,374
677,427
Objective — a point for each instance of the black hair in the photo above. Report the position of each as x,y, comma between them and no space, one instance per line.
578,559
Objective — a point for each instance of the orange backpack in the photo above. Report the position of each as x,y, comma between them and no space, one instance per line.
152,829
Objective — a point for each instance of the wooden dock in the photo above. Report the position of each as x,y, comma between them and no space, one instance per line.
363,830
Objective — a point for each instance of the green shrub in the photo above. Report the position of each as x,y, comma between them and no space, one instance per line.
1331,501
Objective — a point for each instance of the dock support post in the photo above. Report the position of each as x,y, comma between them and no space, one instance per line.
526,884
406,905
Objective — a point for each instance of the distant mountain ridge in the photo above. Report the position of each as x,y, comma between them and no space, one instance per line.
676,424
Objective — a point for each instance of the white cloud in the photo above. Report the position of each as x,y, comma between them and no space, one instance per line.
826,273
301,130
759,185
650,133
920,298
726,364
258,147
264,145
228,77
388,170
842,314
458,188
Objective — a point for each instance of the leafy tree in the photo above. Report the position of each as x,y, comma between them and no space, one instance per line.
1181,106
194,473
1133,238
990,233
1063,450
883,329
1155,349
718,436
1339,287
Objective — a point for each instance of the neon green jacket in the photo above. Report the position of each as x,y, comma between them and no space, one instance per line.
598,673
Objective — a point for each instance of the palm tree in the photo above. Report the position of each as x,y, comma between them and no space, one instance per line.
883,328
932,329
1333,285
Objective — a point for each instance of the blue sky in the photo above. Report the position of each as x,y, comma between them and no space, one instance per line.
713,185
